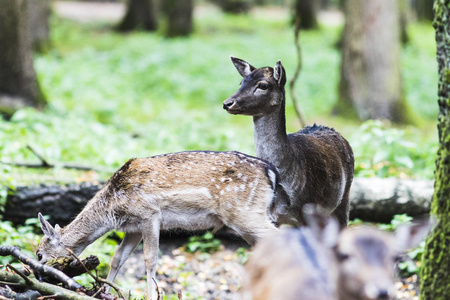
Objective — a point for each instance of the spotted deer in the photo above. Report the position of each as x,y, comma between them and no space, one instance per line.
195,190
316,163
355,264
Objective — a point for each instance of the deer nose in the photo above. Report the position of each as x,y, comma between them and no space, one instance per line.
383,295
227,104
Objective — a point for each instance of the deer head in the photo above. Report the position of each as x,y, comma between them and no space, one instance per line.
261,91
50,246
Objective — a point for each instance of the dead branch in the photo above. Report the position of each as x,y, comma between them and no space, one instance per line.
41,287
40,269
96,278
297,71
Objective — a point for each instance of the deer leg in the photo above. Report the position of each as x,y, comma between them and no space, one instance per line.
255,229
342,211
129,243
150,236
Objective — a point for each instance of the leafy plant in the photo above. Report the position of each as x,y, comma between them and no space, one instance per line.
383,151
22,236
205,243
410,264
243,254
396,221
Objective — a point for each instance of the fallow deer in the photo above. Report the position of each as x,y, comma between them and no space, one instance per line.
294,264
355,264
316,163
193,190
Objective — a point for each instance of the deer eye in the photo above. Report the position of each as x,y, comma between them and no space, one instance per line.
263,86
39,256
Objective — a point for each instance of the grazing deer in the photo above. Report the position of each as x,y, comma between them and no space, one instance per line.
187,190
316,163
294,264
357,264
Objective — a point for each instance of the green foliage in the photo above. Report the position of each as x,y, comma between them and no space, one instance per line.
382,150
409,266
23,237
396,221
243,254
205,243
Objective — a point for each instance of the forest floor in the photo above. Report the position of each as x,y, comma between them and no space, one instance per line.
216,275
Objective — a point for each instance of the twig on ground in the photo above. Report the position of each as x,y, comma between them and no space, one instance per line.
27,280
98,278
39,268
42,287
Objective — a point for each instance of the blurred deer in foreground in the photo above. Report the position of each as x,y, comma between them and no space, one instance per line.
294,264
356,264
187,190
316,163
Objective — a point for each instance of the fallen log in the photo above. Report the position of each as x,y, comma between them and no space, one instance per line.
372,199
379,199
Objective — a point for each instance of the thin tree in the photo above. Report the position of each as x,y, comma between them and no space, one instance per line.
435,273
19,86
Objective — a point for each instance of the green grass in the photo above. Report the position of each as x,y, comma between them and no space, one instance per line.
114,96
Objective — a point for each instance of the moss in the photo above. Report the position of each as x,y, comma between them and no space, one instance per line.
435,273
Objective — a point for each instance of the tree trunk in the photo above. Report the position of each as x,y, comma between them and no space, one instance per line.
179,17
235,6
18,82
141,14
435,273
424,10
404,10
306,11
370,86
39,14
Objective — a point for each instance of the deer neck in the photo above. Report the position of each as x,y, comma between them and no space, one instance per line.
87,227
271,142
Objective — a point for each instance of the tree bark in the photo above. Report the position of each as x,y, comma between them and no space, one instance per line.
306,11
19,86
435,273
371,86
141,14
179,17
39,14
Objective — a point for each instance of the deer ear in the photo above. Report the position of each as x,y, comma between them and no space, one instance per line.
324,227
410,235
243,67
279,74
53,234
